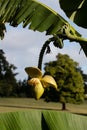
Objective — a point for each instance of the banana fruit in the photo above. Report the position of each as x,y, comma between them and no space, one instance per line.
33,72
37,88
48,81
39,82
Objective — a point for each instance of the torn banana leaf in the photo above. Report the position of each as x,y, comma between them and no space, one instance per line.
31,13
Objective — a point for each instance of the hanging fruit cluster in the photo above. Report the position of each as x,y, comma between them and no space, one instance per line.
38,82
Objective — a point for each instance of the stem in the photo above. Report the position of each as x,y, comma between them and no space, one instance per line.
42,52
77,39
82,41
72,37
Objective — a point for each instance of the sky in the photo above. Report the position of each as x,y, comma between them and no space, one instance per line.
22,46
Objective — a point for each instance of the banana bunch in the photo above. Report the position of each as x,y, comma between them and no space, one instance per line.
58,42
38,82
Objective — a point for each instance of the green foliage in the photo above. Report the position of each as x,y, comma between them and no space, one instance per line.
75,10
5,88
69,80
85,79
40,17
23,90
42,120
8,82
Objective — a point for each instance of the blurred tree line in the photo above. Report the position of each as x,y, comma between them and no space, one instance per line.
7,77
11,87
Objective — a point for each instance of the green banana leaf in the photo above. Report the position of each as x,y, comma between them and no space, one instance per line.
75,10
36,16
31,13
42,120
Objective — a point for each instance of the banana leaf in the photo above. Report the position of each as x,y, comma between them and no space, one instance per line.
29,120
42,120
31,13
75,10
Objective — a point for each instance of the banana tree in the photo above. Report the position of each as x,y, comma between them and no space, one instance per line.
40,17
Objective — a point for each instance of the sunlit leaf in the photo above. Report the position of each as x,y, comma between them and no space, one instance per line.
29,120
31,13
42,120
38,16
64,121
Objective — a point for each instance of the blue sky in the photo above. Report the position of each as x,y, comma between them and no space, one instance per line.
22,46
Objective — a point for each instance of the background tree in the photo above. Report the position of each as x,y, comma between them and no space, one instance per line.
8,81
23,89
69,80
85,79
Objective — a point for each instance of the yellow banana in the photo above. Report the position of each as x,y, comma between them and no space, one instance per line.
47,81
37,88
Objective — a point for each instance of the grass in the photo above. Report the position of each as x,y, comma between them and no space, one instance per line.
16,104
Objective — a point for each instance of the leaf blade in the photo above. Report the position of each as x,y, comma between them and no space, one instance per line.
75,10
